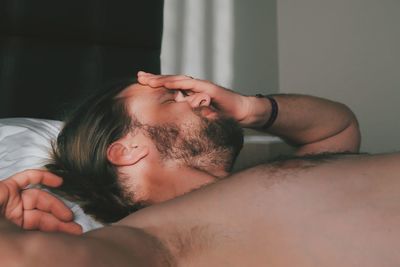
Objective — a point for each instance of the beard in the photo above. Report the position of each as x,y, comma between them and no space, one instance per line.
205,144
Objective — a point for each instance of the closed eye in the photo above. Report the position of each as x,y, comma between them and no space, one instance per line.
173,96
171,100
169,96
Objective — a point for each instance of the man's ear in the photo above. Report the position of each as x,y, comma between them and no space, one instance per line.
121,154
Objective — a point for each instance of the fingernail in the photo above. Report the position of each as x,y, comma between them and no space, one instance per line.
141,72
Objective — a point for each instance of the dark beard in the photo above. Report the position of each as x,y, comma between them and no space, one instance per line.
211,144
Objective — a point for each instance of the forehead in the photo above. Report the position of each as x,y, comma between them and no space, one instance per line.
138,90
144,102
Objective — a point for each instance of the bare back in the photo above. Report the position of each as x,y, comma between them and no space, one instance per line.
333,212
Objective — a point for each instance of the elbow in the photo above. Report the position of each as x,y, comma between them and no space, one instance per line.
350,136
354,135
346,139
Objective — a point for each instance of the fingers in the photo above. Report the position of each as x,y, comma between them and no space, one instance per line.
197,86
39,220
200,92
159,80
44,201
25,178
176,82
3,194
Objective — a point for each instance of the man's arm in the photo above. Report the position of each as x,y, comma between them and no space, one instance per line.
312,124
110,246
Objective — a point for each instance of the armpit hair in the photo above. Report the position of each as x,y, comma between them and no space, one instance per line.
278,169
195,239
186,244
307,161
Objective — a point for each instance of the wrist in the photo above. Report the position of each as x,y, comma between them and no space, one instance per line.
262,112
255,111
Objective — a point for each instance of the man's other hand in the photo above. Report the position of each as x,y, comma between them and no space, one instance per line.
35,209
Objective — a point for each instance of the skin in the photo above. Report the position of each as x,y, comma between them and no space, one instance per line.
33,208
338,212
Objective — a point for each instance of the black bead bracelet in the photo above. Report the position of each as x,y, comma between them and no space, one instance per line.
274,111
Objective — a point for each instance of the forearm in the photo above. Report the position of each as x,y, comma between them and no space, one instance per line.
311,123
16,244
112,246
10,249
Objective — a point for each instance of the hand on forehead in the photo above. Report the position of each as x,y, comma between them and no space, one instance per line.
185,87
153,80
176,82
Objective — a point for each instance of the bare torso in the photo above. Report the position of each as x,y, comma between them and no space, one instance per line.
337,212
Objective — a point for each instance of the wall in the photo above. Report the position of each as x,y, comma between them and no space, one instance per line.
347,50
255,46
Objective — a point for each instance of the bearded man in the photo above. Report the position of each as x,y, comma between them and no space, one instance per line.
147,141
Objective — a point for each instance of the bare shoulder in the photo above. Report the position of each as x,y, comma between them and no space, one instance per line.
346,204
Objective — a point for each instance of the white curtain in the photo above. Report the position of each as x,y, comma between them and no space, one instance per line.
198,39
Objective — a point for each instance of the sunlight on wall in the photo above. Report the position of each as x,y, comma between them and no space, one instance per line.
223,42
198,39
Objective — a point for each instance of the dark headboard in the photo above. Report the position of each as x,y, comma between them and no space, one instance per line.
54,52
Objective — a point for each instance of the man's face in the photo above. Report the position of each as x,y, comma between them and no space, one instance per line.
195,135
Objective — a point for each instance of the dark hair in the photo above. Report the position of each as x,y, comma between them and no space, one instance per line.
80,155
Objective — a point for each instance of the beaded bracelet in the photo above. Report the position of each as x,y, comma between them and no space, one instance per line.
274,111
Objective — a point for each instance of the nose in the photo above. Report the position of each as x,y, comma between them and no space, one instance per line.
194,100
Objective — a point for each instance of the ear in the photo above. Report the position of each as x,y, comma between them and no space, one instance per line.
121,154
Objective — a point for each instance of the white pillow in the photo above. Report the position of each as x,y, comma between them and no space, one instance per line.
25,143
